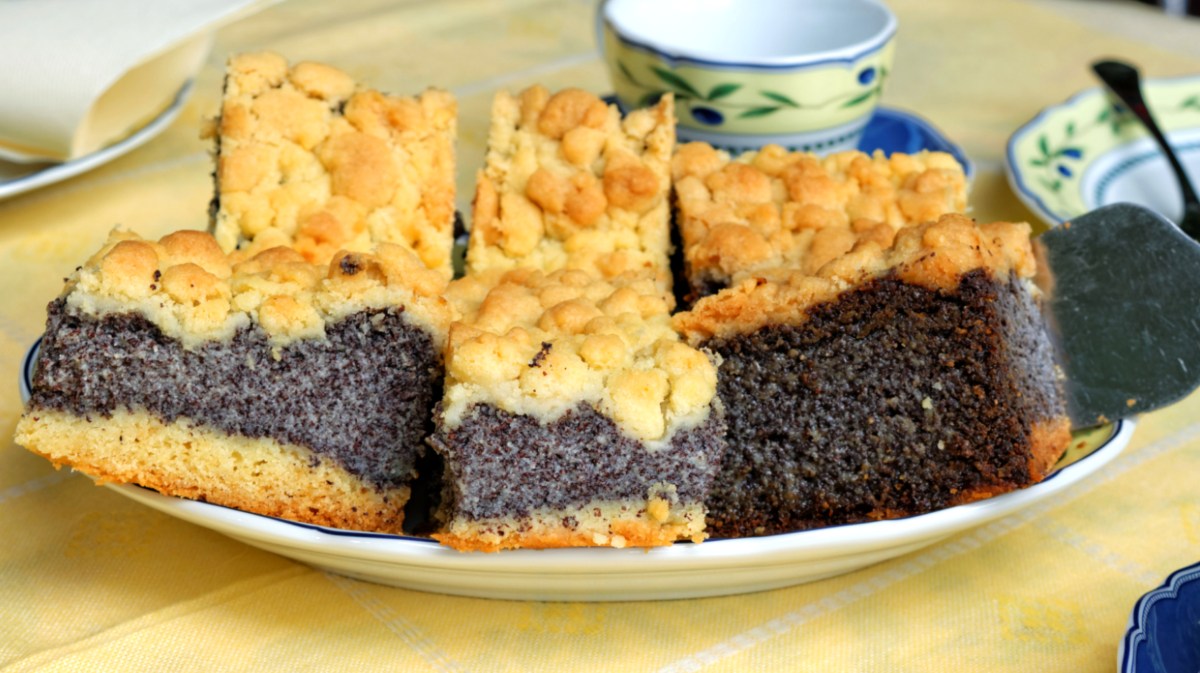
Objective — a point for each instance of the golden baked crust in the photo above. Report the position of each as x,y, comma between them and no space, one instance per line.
1048,440
774,208
655,521
194,292
540,344
569,184
934,254
193,461
307,158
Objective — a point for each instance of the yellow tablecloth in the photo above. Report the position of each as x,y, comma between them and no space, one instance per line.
91,580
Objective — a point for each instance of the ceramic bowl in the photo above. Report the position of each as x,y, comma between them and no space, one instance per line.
805,74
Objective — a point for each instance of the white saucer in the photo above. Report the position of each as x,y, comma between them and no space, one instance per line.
1088,151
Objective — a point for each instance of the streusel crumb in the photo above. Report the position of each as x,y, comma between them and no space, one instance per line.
194,292
309,159
570,184
540,344
774,208
934,254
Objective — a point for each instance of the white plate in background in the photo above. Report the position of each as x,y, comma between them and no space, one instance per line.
18,178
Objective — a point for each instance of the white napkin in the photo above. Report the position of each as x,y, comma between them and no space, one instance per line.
78,75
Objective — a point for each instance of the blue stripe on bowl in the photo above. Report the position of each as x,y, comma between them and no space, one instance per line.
677,59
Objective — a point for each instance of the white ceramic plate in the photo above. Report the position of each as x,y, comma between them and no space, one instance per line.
1088,151
713,568
19,178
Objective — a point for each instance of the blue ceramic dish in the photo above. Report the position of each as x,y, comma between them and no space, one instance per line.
1164,629
893,130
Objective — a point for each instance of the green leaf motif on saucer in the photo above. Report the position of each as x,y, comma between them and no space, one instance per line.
1049,157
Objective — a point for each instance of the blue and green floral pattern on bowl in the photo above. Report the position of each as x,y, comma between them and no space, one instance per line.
1090,151
818,105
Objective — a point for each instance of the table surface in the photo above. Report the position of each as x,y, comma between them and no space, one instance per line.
91,580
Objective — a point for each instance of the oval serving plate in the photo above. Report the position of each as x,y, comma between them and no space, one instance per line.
712,568
1088,151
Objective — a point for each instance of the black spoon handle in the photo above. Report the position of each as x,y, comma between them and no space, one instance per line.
1124,81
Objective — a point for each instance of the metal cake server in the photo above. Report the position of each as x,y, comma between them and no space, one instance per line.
1122,301
1123,80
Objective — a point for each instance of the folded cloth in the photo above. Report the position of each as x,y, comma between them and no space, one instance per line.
79,75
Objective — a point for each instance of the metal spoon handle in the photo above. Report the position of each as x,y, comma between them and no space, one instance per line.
1123,79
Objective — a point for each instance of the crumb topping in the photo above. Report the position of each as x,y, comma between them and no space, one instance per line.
776,208
308,159
539,344
569,184
933,254
194,292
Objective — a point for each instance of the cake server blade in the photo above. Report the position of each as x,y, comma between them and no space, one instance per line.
1122,301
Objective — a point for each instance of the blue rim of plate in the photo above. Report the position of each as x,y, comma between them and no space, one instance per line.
1032,200
69,169
1137,637
25,383
1026,195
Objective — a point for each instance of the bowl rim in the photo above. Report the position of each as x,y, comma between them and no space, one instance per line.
847,54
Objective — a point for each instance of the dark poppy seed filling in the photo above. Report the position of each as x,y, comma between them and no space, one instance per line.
500,464
893,399
362,397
